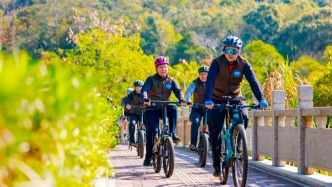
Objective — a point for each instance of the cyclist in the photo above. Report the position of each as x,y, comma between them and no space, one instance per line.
125,113
134,99
224,79
159,87
197,89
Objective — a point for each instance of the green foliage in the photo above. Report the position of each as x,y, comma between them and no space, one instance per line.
315,27
306,66
262,23
184,74
115,61
263,57
283,78
54,127
187,49
327,55
322,87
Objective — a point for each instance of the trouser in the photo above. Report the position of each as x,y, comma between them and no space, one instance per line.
152,124
196,116
217,123
133,119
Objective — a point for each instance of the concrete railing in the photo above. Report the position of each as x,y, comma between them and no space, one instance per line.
297,135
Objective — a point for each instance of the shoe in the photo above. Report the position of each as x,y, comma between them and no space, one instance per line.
132,143
217,172
147,162
175,138
192,147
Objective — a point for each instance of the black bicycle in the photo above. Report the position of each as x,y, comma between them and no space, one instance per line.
203,144
140,131
163,147
234,150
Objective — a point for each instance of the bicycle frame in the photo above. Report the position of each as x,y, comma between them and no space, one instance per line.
230,125
141,120
162,135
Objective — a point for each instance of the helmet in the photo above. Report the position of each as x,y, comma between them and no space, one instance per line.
203,69
161,61
232,41
138,83
129,90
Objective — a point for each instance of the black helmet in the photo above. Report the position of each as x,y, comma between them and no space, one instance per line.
232,41
203,69
138,83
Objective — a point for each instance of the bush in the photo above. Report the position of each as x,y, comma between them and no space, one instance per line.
54,126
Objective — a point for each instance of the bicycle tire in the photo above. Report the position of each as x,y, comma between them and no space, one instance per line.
225,168
203,150
168,157
140,146
240,162
157,160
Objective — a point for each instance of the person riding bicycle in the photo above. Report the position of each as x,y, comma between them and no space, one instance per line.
197,89
224,79
134,99
125,113
159,87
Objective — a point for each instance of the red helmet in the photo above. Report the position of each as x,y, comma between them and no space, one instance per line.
161,61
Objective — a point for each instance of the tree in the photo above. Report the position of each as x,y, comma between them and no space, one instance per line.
315,27
306,66
114,60
263,57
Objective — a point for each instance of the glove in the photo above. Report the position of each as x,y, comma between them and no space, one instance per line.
208,103
263,103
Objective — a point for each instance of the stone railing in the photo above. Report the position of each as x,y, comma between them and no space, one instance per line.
297,135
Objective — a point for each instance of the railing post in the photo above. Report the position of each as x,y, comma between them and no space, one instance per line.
305,97
255,155
278,103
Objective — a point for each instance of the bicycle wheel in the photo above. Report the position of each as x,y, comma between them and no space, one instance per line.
168,158
240,163
224,166
203,149
140,146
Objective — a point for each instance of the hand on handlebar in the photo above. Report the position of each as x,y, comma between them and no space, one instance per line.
189,104
263,104
183,102
209,104
147,101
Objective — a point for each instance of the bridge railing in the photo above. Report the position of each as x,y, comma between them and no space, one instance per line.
297,135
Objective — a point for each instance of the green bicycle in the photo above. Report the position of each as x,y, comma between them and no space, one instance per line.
234,150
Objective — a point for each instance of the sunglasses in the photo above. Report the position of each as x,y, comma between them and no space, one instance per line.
231,51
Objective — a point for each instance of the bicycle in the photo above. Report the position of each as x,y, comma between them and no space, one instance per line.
163,147
234,151
203,144
140,134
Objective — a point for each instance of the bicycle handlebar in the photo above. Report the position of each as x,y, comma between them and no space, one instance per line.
232,106
162,103
137,107
224,106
